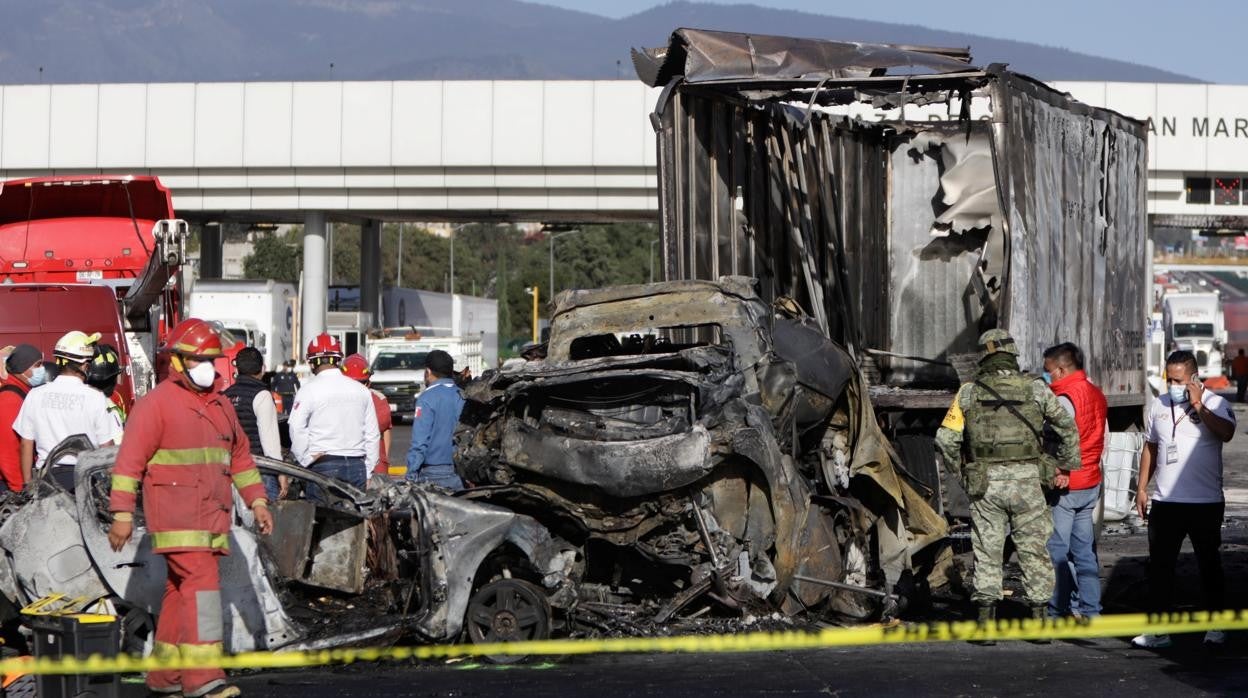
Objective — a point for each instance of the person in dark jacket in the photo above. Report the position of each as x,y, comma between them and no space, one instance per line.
257,412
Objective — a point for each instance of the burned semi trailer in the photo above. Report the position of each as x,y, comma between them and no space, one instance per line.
908,200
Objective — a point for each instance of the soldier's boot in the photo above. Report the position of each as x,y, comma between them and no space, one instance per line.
987,618
1039,614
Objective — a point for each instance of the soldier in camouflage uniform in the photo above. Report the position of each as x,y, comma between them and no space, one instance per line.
991,436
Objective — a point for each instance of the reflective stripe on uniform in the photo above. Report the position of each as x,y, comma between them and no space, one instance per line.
247,478
165,650
125,483
189,456
396,470
200,652
190,539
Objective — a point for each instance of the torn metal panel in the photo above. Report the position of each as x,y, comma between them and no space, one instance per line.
708,56
912,212
619,468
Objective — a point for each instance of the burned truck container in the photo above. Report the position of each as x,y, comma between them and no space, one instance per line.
909,201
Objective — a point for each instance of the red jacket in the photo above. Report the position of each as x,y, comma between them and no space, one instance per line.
385,422
185,447
1090,413
10,442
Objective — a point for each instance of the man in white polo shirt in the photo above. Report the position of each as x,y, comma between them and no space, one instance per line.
1187,426
63,408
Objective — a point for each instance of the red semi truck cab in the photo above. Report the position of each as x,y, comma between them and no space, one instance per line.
96,253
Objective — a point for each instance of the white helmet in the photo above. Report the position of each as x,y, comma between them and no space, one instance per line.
76,347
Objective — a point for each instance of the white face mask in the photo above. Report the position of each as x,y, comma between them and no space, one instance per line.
203,375
39,376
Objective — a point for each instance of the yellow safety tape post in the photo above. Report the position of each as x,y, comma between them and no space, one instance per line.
1124,625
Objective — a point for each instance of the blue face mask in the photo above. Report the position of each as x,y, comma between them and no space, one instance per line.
1178,393
1048,378
39,377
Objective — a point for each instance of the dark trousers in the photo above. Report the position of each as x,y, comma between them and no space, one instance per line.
349,469
1241,386
1168,524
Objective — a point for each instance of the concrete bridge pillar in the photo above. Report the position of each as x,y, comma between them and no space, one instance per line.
315,277
211,251
370,270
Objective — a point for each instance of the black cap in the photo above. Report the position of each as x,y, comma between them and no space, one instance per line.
23,357
440,363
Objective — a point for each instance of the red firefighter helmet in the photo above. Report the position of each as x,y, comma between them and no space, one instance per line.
195,338
355,367
324,346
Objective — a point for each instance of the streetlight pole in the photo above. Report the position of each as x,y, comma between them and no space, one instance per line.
398,281
652,244
552,258
452,236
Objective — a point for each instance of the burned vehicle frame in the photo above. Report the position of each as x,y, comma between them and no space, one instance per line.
398,561
908,200
695,444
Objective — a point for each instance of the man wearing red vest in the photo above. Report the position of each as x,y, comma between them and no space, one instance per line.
184,445
1073,543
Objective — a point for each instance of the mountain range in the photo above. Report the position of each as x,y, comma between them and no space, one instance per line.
66,41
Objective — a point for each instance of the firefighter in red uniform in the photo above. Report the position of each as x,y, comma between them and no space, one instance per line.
184,445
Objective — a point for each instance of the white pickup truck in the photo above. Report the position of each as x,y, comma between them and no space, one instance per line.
398,366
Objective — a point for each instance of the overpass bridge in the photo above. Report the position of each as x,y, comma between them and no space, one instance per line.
550,151
313,152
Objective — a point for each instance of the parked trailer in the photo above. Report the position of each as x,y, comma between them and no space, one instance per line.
908,201
260,314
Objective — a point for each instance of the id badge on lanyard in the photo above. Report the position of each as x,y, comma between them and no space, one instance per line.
1172,449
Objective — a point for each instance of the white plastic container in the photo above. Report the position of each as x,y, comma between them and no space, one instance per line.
1120,464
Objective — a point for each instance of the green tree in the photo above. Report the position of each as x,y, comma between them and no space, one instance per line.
274,257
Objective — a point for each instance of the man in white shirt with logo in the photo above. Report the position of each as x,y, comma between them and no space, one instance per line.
1186,429
333,424
63,408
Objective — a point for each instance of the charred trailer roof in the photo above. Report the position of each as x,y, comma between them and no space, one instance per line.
906,198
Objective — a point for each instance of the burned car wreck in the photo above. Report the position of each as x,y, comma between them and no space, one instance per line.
684,450
694,444
396,562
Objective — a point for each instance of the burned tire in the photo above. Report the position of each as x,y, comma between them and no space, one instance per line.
508,610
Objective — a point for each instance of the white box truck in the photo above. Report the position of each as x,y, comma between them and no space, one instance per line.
1193,321
397,364
259,313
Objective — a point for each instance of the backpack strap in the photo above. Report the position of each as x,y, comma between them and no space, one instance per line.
1009,405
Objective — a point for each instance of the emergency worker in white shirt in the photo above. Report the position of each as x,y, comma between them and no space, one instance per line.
333,424
1187,426
63,408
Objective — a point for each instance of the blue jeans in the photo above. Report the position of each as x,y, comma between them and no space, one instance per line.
271,487
1072,548
349,469
441,475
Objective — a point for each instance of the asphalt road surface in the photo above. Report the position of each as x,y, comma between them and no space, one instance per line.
1108,667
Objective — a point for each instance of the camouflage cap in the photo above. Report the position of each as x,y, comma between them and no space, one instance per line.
998,340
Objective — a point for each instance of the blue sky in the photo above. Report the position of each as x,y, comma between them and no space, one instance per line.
1203,40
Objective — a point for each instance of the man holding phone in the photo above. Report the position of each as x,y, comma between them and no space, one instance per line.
1187,426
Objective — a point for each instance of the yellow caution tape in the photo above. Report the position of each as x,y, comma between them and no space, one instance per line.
1124,625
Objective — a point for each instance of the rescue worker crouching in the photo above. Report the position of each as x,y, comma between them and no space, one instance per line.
992,436
431,455
183,445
